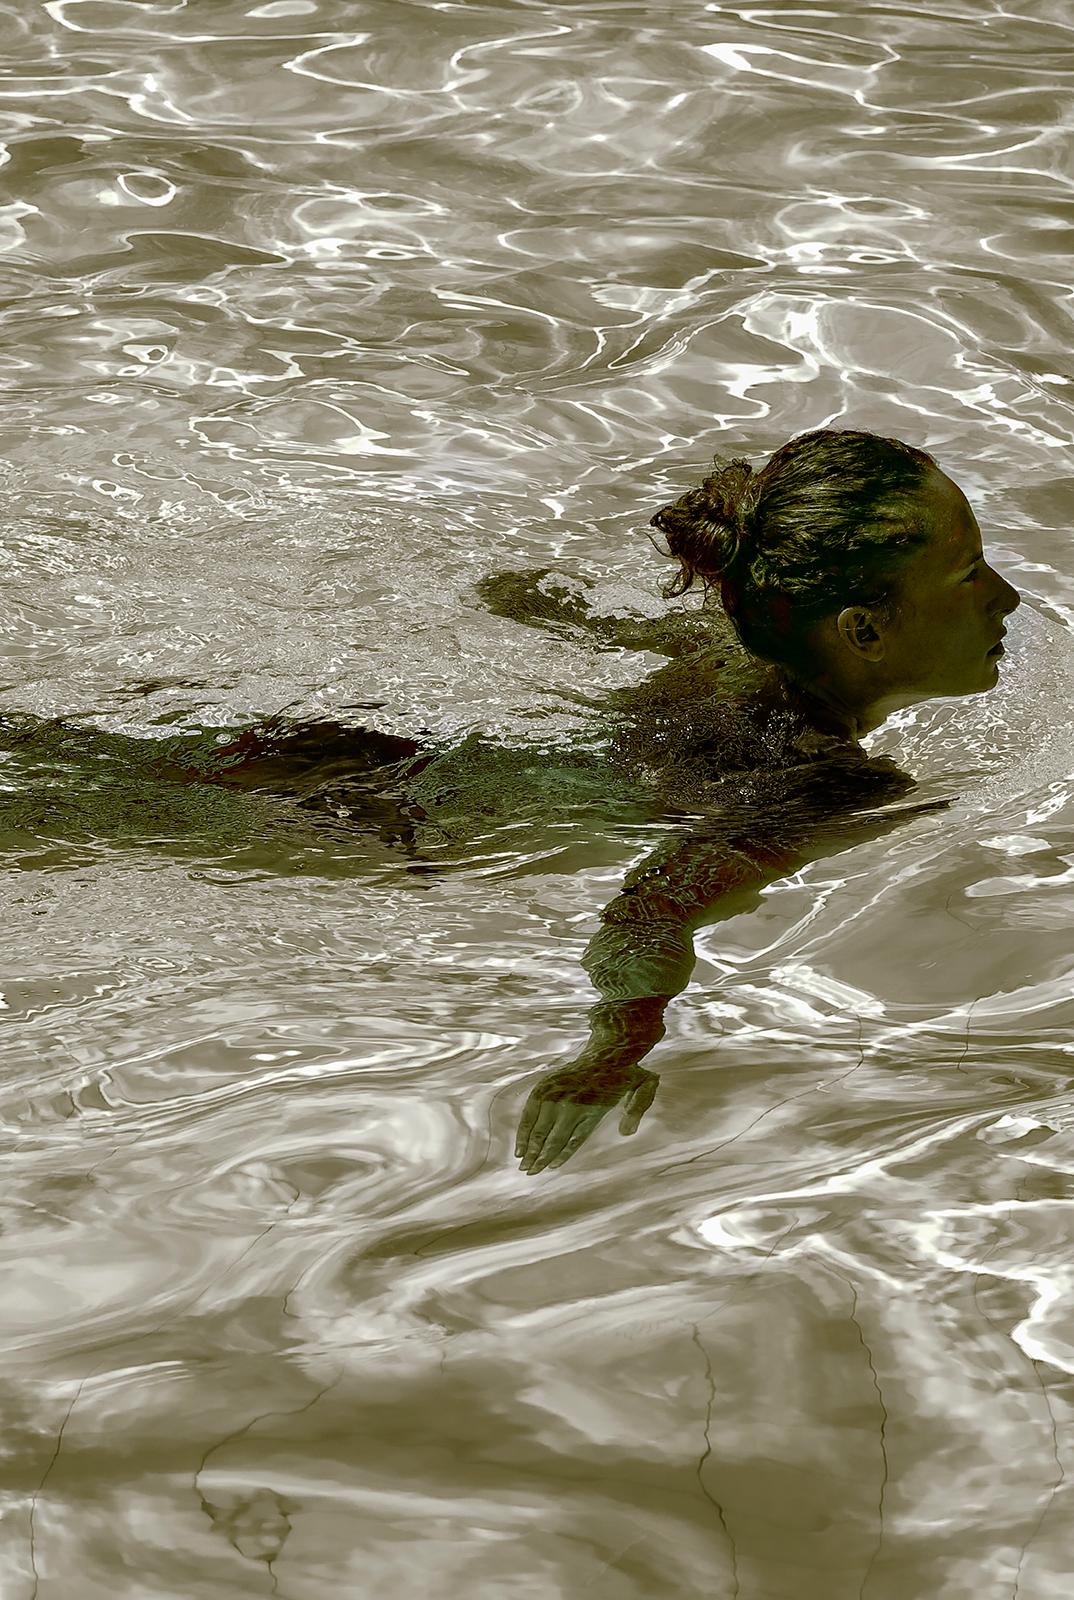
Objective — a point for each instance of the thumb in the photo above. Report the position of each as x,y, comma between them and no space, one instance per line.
638,1102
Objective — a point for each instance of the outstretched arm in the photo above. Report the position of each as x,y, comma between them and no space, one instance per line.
643,953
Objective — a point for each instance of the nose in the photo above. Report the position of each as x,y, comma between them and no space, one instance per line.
1009,598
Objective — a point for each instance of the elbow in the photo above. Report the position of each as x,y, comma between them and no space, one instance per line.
639,961
641,906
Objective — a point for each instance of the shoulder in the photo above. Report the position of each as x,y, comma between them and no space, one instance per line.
718,721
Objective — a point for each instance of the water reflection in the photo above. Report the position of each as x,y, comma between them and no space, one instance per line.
310,323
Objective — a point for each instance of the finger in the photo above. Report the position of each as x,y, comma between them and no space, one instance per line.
568,1135
528,1118
538,1128
577,1139
552,1138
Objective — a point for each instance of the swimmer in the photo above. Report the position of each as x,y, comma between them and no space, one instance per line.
851,570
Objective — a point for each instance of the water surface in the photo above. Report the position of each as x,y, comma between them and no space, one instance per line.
314,316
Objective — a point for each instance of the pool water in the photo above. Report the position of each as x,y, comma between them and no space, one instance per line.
316,317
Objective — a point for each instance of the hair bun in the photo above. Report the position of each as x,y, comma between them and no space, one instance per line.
707,529
722,504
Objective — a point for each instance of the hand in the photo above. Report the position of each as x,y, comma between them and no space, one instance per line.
567,1105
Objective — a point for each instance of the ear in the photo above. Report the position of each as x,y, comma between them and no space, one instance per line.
858,630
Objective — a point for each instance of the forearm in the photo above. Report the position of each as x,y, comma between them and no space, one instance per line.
622,1032
636,969
643,954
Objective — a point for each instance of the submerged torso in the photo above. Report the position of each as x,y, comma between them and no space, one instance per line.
712,713
713,728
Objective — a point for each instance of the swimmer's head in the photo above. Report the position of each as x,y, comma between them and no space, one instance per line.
846,557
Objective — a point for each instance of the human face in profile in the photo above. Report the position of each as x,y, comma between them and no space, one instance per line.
945,638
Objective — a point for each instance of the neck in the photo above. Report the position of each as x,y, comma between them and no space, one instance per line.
829,710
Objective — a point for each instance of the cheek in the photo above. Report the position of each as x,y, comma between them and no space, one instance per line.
937,627
958,603
938,614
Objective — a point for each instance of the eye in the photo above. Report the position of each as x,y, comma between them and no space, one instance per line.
975,572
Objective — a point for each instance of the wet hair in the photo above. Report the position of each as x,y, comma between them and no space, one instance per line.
830,520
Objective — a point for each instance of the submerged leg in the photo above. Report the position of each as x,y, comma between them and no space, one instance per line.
104,781
288,757
355,775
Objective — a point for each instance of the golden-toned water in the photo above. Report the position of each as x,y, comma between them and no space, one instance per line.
313,316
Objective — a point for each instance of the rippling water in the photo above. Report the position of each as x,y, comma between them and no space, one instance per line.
313,315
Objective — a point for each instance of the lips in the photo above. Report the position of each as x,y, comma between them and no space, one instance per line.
998,646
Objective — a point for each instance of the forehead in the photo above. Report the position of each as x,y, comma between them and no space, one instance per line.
956,536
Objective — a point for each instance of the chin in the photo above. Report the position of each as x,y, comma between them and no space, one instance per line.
985,679
989,677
